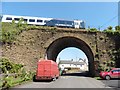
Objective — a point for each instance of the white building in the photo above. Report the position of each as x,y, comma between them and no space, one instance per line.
73,64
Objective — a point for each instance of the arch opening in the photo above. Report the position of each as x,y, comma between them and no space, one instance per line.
73,61
58,45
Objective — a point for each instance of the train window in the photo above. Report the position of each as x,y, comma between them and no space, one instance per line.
76,23
16,19
25,20
54,21
45,21
8,18
31,20
39,20
69,22
62,22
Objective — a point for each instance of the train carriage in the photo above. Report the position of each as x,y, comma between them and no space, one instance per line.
60,23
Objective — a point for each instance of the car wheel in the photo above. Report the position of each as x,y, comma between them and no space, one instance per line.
54,79
34,78
107,77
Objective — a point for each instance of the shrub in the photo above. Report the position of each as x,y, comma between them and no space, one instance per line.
9,67
19,74
93,30
117,28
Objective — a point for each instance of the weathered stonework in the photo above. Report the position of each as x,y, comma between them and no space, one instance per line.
32,45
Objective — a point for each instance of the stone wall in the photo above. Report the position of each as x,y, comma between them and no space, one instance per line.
31,45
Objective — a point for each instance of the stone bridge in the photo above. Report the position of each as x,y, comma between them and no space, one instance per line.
32,45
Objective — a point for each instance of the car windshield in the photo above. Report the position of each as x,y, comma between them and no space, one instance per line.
108,70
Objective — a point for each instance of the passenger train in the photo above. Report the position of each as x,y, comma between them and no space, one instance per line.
45,21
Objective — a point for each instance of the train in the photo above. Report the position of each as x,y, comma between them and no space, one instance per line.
45,21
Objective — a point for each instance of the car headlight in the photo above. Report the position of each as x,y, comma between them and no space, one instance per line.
103,74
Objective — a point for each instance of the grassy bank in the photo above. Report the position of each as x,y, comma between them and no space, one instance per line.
13,74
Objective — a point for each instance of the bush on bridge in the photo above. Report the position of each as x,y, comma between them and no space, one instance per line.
10,31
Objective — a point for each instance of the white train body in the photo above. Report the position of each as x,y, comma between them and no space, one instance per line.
27,19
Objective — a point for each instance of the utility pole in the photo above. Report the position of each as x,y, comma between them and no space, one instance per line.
119,13
99,28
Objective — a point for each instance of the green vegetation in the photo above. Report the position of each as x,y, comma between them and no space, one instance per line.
113,62
11,30
97,78
117,28
9,67
110,30
108,64
13,74
92,30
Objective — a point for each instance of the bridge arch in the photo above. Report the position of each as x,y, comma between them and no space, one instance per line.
56,46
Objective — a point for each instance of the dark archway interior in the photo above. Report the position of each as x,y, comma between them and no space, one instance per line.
58,45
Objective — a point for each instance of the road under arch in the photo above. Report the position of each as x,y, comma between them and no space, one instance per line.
58,45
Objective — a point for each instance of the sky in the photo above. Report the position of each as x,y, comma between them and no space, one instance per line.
71,53
119,13
95,14
59,0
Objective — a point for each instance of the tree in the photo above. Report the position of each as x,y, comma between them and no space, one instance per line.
117,28
110,28
93,29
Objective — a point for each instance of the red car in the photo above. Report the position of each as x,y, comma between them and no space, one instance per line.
114,73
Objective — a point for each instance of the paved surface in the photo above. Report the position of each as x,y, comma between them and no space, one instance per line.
114,83
67,81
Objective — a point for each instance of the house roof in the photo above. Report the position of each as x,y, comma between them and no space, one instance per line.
71,62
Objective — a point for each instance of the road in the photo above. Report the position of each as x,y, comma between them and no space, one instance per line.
66,81
113,83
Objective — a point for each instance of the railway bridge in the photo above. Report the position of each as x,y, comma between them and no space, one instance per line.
35,44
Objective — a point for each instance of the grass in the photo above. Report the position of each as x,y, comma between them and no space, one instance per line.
11,81
13,74
1,83
97,78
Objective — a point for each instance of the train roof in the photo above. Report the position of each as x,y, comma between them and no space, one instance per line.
66,20
27,17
